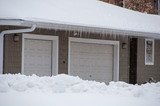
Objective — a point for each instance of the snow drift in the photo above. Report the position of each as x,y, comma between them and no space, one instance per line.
39,91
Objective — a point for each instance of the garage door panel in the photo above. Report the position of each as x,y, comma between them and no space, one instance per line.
81,75
101,69
90,58
37,57
93,52
101,77
87,47
91,61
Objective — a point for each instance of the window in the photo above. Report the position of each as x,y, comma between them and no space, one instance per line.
149,52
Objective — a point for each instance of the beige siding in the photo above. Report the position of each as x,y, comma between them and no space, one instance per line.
12,57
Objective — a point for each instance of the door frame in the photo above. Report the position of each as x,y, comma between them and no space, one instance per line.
98,41
54,40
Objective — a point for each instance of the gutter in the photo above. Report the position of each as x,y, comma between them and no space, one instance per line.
31,29
96,29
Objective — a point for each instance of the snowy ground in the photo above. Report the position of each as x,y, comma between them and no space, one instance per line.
64,90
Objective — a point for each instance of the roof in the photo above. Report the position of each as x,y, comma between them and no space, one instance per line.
89,13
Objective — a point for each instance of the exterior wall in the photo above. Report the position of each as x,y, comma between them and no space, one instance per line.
63,50
12,53
12,57
144,72
124,60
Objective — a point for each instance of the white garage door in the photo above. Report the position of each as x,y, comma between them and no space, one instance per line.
37,57
91,61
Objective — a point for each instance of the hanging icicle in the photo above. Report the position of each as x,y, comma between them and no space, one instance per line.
81,32
55,32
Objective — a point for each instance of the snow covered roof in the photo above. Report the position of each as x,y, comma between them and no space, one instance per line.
86,13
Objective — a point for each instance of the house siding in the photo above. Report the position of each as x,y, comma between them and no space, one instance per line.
12,54
63,50
144,72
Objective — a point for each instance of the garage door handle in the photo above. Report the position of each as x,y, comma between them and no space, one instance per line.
90,75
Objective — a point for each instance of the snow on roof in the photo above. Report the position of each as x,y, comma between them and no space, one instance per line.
89,13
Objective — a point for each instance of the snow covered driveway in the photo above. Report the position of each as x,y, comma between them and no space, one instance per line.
64,90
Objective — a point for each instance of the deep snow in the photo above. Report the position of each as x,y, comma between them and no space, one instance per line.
90,13
65,90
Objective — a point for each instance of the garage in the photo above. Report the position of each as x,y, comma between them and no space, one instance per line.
39,56
93,59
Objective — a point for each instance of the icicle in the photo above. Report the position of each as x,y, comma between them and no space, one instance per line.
118,36
56,27
89,33
65,33
69,33
81,32
78,33
103,32
114,36
55,32
104,36
86,34
110,34
66,29
101,35
74,33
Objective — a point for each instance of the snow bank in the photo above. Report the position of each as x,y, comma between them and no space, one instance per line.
33,89
69,84
56,84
